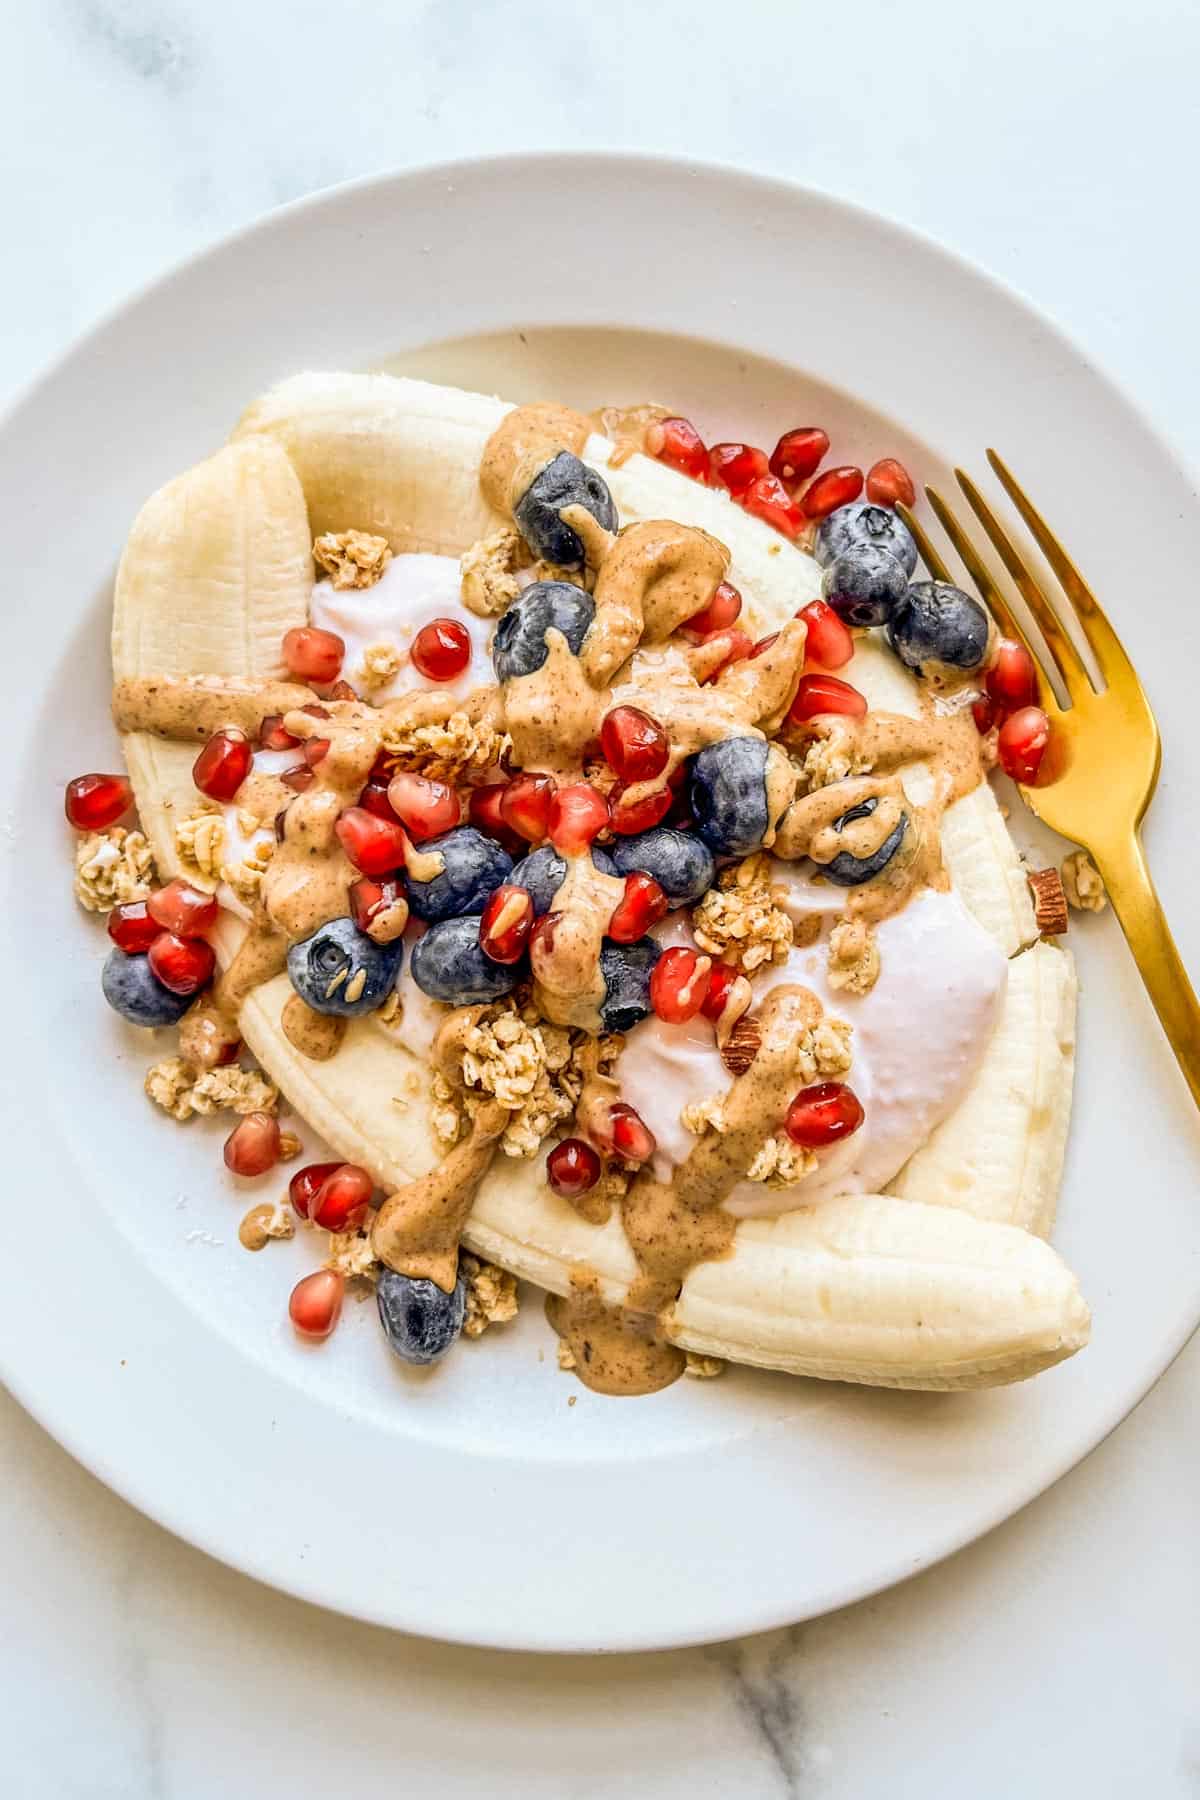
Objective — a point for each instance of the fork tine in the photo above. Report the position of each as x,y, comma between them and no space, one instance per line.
929,555
990,594
1066,657
1110,653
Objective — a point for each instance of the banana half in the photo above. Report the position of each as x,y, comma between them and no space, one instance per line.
945,1282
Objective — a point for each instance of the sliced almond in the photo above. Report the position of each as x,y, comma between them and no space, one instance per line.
1049,902
742,1046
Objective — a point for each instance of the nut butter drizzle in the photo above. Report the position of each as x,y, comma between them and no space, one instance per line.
647,579
672,1226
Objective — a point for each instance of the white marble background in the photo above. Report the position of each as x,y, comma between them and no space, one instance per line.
1055,141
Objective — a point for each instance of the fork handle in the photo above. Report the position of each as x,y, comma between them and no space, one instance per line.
1141,917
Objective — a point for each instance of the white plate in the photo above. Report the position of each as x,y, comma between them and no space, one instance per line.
476,1501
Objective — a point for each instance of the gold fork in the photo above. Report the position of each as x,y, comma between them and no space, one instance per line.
1104,742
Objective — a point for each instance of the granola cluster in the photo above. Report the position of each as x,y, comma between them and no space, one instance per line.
778,1163
183,1091
350,1254
352,559
828,758
509,1054
853,957
1082,883
445,752
200,844
245,877
489,573
703,1368
380,664
739,921
491,1294
112,868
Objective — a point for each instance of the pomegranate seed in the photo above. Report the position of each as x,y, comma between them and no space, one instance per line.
578,813
525,806
315,751
94,802
506,923
763,644
798,454
374,846
223,764
1022,743
632,1139
635,746
483,810
299,777
131,928
769,500
822,1114
677,443
642,905
628,817
1012,679
889,482
374,799
183,909
829,643
316,712
738,646
315,1304
181,964
370,900
313,654
572,1167
307,1183
426,808
722,610
272,736
836,487
819,694
341,690
229,1052
735,466
441,651
679,984
342,1199
720,981
253,1145
984,715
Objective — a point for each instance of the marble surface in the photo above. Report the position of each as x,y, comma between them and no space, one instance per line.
1053,141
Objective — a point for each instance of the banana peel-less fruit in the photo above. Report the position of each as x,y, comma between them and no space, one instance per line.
946,1281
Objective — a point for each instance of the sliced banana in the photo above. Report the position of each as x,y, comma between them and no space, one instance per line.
889,1290
217,567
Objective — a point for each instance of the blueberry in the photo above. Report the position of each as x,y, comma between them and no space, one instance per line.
132,989
447,964
937,623
475,866
862,526
565,481
851,871
420,1321
864,585
325,969
626,969
519,644
728,795
543,872
680,861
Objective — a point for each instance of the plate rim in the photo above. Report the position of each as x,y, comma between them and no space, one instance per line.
68,1430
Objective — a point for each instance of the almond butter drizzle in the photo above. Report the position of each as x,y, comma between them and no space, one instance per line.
650,578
